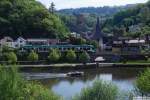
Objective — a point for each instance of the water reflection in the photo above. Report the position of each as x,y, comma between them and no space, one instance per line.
68,86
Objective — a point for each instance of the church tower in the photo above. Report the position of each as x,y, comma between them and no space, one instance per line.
98,35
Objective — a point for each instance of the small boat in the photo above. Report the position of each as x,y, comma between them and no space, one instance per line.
75,74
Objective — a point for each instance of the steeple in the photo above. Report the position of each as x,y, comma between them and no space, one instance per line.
97,34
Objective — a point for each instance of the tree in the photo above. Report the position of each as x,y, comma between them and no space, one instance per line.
30,19
10,57
52,8
128,22
143,82
33,56
71,56
6,49
54,55
100,90
94,43
145,14
84,57
77,41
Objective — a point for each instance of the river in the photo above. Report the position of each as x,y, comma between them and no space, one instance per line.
67,87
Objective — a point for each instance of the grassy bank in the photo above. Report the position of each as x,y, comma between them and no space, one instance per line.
14,87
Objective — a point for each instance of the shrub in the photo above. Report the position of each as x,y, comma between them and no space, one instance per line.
10,57
99,91
54,55
33,56
34,91
94,43
71,56
13,87
84,57
143,82
7,49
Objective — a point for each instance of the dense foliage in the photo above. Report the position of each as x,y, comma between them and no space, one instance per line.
71,56
54,55
10,57
83,20
13,87
143,82
29,18
33,56
100,90
106,10
132,22
84,57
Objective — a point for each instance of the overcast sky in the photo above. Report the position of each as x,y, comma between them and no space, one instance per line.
61,4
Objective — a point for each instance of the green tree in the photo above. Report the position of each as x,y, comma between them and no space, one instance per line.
29,18
77,41
143,82
6,49
84,57
100,90
10,57
33,56
145,14
54,55
52,8
71,56
93,42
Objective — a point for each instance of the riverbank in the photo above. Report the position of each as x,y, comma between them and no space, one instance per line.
83,66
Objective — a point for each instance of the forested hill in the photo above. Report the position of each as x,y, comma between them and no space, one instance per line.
29,18
130,20
138,14
106,10
135,21
83,20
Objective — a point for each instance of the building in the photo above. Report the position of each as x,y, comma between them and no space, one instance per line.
43,45
20,42
53,41
37,42
7,41
131,46
75,35
98,35
42,41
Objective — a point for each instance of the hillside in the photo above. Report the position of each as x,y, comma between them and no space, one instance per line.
135,21
103,11
29,18
82,20
130,20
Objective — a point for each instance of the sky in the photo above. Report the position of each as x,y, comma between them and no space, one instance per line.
62,4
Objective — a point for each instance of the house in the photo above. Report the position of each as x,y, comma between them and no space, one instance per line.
75,35
131,45
20,42
37,42
7,41
53,41
42,41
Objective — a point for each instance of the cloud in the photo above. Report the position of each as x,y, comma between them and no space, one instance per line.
60,4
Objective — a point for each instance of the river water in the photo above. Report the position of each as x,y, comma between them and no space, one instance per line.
67,87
